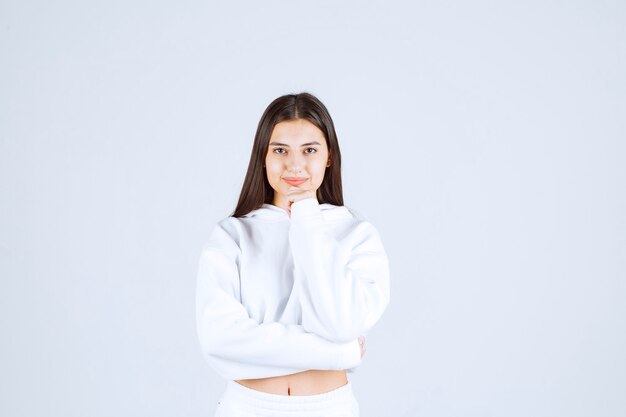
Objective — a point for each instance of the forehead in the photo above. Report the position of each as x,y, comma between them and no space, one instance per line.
297,132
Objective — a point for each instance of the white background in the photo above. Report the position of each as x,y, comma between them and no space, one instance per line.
485,140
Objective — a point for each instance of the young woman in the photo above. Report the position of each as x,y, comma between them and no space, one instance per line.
290,283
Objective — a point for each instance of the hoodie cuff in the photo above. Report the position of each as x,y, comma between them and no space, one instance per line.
352,356
307,211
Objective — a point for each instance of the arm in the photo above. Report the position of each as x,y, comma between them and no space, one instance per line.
345,282
238,347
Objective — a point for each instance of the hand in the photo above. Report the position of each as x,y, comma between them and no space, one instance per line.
295,194
362,344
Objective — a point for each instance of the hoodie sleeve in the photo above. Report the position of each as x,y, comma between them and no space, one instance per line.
238,347
345,281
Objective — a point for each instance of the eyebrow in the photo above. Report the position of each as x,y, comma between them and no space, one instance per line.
304,144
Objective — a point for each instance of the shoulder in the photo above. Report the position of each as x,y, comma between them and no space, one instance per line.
224,236
356,214
359,220
354,225
362,228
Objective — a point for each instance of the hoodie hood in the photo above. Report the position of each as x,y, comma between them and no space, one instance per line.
272,212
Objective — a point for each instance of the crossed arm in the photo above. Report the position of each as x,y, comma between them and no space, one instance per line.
345,291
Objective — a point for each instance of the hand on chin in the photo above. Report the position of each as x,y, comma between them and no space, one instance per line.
295,193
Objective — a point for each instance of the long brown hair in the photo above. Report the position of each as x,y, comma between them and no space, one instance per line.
256,189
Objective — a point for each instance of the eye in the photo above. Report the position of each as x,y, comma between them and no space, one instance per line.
314,150
278,149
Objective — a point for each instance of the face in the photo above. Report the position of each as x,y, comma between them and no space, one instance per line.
297,150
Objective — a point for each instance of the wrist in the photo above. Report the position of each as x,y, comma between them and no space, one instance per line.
306,208
352,355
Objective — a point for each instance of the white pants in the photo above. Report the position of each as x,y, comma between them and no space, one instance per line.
240,401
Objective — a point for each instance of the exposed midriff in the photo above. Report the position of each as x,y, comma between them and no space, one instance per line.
309,382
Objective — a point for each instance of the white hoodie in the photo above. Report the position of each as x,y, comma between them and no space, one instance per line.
278,295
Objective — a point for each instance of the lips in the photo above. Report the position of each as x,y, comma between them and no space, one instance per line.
294,180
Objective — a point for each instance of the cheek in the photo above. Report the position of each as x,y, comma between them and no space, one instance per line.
273,171
272,166
318,176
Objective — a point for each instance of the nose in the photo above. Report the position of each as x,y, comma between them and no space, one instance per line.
295,163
